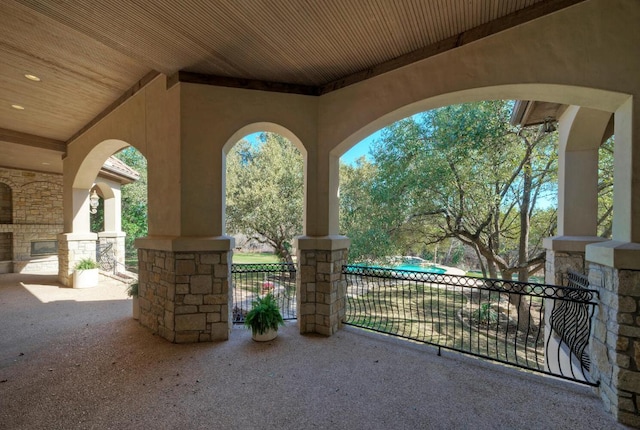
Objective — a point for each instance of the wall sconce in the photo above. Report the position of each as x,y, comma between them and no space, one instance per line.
93,202
549,125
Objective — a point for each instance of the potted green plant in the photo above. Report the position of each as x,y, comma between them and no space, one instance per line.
85,274
132,291
264,318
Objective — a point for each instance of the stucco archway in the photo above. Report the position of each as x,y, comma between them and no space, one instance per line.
81,168
269,127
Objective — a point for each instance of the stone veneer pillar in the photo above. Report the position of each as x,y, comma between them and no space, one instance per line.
73,247
565,253
184,288
614,347
321,286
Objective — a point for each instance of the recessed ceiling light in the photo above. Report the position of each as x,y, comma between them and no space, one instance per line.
32,77
18,107
44,163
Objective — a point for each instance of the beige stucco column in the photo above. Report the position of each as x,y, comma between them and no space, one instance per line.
580,133
185,262
614,269
77,242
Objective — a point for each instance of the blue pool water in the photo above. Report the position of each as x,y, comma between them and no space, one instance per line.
418,268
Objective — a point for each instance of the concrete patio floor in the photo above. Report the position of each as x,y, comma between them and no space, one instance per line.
76,359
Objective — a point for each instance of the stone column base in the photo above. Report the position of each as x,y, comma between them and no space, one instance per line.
184,288
321,285
73,247
614,347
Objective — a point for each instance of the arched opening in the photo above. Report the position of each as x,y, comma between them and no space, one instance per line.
458,187
6,204
94,217
264,202
396,192
121,215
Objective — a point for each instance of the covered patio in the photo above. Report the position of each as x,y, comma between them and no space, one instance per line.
183,82
76,359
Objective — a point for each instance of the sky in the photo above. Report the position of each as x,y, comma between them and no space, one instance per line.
360,149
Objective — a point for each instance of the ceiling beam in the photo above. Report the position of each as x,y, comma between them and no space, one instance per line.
249,84
20,138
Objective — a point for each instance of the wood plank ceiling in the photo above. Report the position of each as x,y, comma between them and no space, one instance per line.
89,53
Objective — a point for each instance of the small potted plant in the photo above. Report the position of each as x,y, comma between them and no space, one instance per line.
85,274
132,291
264,318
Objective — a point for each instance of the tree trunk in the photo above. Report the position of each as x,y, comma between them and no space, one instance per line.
493,272
522,302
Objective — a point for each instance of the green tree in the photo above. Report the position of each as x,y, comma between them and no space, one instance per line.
463,172
264,194
134,200
605,188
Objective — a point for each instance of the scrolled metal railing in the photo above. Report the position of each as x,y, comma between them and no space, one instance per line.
106,257
570,319
495,319
253,280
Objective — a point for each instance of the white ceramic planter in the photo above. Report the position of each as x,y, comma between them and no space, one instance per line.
86,278
135,308
266,336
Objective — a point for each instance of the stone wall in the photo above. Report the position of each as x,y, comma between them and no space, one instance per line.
558,263
184,296
37,196
615,343
36,215
321,290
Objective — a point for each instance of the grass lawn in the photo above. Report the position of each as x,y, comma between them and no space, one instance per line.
254,257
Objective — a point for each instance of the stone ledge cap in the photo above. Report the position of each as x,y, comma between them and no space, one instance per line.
71,237
570,243
112,234
322,243
186,243
613,253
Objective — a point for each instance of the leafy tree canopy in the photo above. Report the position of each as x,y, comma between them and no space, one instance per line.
459,172
264,194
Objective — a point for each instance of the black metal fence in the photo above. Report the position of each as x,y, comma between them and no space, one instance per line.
570,319
253,280
106,259
500,320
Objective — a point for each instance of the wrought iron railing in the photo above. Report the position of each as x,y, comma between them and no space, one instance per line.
495,319
106,257
253,280
570,319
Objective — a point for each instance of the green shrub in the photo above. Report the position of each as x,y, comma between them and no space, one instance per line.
86,264
264,315
132,289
